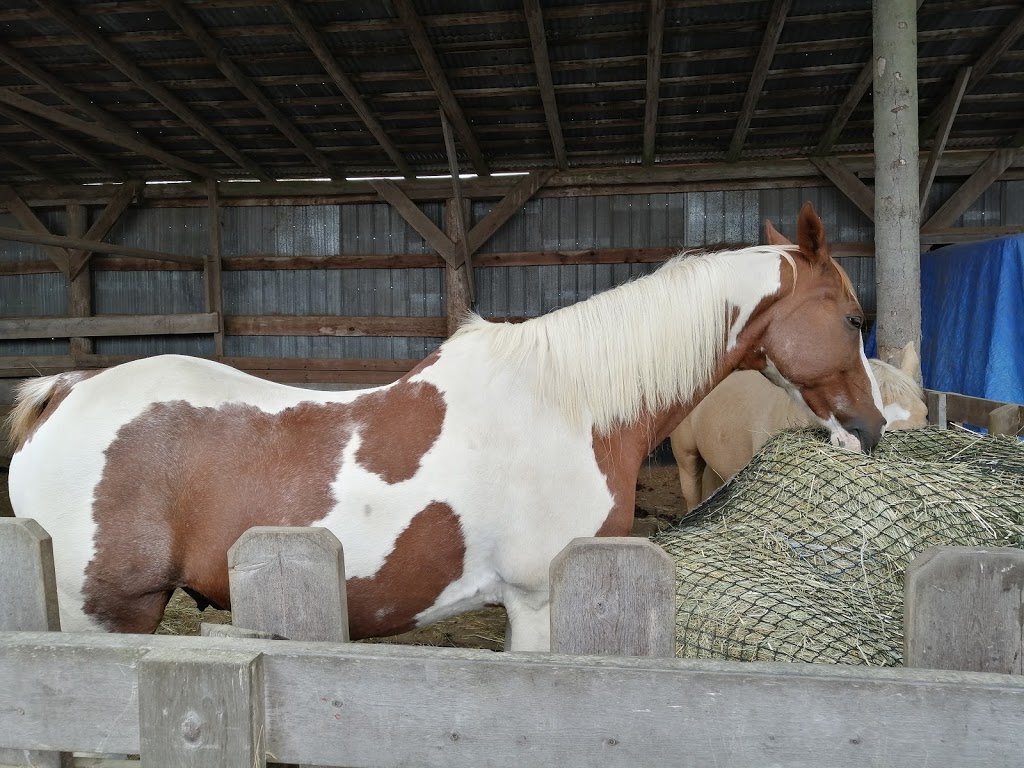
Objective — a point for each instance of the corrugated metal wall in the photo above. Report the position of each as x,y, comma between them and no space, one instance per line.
684,219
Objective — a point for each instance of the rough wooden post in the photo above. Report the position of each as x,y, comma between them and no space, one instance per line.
458,291
897,208
937,413
613,596
963,609
289,582
212,266
80,287
1005,420
28,603
202,709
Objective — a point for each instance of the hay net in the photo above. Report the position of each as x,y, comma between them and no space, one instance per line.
801,556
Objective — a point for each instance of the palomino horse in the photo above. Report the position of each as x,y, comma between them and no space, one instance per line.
450,489
725,430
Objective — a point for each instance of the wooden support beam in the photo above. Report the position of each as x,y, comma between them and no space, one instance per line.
58,255
435,74
45,238
945,125
213,50
66,142
655,39
417,219
330,325
456,226
80,286
979,181
842,115
319,47
988,59
859,193
111,213
212,278
510,204
101,132
542,65
28,164
114,126
97,41
776,20
105,325
458,287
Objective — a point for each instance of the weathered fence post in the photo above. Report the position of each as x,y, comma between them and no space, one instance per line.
28,603
613,596
936,402
202,708
1005,420
289,582
963,609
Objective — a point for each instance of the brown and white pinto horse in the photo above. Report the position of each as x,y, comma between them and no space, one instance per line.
453,487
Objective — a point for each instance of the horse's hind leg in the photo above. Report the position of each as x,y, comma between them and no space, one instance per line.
691,464
529,622
122,610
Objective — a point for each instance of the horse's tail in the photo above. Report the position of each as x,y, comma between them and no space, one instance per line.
32,399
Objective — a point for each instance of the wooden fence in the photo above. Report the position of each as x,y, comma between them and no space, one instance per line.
997,417
238,697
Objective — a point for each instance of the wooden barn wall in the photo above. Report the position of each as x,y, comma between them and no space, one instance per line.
652,220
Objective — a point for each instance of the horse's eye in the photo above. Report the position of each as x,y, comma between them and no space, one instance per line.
856,321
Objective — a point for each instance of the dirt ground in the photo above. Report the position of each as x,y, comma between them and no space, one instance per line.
658,503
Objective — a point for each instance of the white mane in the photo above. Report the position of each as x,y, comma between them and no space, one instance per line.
635,349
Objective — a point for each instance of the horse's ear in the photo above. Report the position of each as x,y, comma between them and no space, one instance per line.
810,235
910,363
773,236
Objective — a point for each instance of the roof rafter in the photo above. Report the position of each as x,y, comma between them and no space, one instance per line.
655,39
776,20
144,80
542,65
945,125
214,51
319,47
413,26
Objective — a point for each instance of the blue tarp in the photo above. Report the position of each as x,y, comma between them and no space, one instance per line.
972,319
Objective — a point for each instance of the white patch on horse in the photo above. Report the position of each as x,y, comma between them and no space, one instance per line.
894,412
756,276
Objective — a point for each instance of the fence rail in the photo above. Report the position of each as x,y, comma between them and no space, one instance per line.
235,700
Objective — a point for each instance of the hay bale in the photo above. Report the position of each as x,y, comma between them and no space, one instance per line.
801,556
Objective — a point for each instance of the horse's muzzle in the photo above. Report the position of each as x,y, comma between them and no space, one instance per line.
868,434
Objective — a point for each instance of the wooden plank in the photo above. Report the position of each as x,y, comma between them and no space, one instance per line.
978,182
542,67
655,40
289,582
215,52
613,597
202,709
416,218
458,286
28,593
937,413
1006,420
776,20
963,409
338,704
212,279
945,125
967,234
962,610
859,193
71,19
80,287
43,238
105,325
435,74
330,64
330,325
118,204
28,220
229,630
101,132
455,228
28,164
509,205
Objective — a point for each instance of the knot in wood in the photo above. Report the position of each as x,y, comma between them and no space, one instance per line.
192,727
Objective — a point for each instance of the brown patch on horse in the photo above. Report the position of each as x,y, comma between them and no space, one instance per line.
619,455
29,415
167,516
427,557
414,412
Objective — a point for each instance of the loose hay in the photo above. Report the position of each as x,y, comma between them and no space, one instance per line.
801,556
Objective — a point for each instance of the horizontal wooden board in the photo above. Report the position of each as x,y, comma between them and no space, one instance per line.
106,325
964,409
329,325
338,705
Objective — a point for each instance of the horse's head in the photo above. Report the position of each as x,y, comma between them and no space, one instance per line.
810,340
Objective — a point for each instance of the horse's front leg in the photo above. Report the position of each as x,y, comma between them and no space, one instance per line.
529,621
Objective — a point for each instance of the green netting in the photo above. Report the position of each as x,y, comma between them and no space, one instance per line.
801,556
